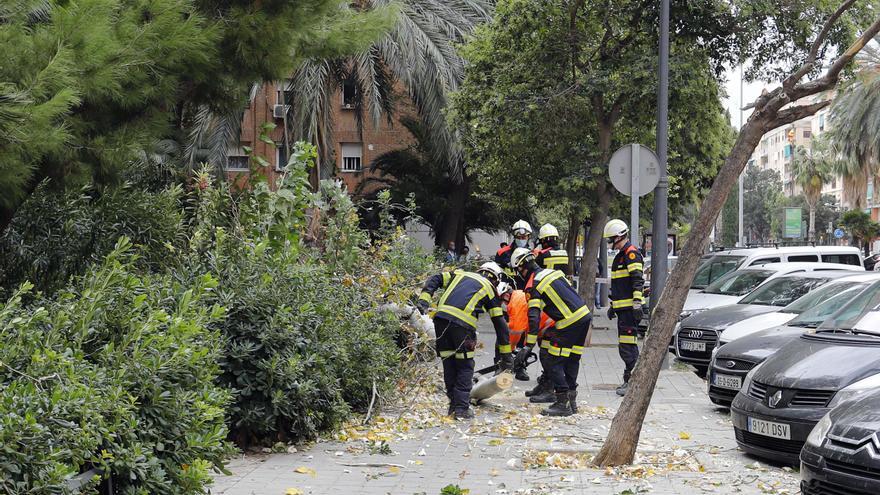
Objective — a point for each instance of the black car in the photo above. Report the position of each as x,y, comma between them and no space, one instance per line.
842,453
732,361
698,334
783,398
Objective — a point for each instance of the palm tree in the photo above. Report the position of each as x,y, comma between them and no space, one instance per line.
449,208
811,170
418,54
856,129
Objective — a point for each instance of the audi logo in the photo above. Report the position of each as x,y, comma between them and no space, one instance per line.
694,334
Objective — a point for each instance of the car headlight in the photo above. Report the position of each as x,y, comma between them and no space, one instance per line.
817,436
855,390
747,381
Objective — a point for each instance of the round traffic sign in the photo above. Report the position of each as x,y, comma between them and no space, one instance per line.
839,233
620,169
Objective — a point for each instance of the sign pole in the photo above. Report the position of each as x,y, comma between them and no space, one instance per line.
634,196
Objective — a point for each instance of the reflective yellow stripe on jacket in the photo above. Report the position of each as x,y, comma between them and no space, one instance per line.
467,314
568,317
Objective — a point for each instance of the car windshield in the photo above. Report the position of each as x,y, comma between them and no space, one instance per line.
714,268
782,291
738,283
853,314
818,305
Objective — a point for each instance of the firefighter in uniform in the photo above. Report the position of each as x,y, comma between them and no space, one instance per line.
455,323
547,254
550,291
522,233
627,282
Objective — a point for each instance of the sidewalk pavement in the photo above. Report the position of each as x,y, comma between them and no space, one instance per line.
687,445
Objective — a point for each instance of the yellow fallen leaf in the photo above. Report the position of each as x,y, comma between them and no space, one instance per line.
394,469
496,442
306,470
683,435
419,463
293,491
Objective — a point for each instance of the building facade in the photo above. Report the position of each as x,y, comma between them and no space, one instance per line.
353,150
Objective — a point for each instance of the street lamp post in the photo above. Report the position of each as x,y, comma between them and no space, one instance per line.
660,219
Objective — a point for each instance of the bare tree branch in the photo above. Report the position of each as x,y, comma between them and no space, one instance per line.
809,64
789,115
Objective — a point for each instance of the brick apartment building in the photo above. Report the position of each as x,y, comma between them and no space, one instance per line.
353,151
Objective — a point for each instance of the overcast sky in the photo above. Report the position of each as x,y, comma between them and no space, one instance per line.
750,92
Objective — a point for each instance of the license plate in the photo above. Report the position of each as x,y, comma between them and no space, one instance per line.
687,345
770,429
727,381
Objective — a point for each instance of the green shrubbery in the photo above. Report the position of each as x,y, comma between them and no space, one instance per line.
118,372
214,321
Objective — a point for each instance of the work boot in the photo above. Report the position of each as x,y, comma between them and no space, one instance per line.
621,390
521,375
450,410
560,407
541,387
544,398
573,401
464,414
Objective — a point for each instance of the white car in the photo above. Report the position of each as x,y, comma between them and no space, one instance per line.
716,265
732,287
836,288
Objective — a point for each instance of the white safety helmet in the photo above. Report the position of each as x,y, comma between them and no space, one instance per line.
615,228
521,227
520,256
547,230
491,268
503,288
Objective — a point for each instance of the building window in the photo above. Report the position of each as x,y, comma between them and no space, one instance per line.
787,150
821,121
237,162
808,134
349,94
280,156
351,157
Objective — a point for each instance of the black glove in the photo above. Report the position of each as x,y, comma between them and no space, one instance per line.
506,362
423,306
611,313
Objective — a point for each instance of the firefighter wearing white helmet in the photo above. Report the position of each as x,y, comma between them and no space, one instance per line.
627,281
522,233
455,323
549,291
548,254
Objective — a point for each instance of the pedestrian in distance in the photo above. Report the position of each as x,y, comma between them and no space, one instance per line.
627,282
455,323
550,291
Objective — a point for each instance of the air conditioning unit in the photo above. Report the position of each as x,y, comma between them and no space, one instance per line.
279,111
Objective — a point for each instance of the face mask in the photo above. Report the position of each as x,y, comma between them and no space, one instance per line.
521,242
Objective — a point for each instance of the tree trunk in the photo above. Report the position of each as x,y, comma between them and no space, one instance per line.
812,232
623,437
571,242
589,267
453,218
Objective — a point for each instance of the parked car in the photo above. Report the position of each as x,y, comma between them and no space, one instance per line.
841,453
732,287
764,321
783,398
837,300
718,264
698,334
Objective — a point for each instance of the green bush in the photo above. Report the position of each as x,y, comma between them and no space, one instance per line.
55,236
116,373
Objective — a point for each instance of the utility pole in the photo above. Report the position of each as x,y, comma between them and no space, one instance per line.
741,240
659,234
